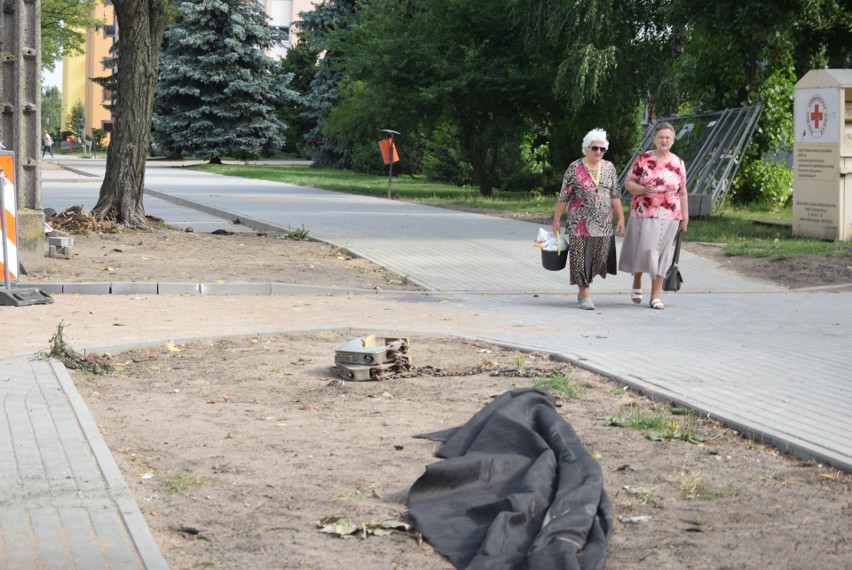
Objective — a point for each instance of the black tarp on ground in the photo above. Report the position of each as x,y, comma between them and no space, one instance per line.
516,489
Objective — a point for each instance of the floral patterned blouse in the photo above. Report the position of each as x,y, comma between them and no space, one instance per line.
589,205
667,178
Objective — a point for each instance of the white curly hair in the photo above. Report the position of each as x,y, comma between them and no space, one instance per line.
592,136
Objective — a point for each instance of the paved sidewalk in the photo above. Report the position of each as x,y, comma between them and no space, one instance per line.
768,361
63,501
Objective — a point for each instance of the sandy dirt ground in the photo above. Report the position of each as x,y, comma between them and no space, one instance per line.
237,448
179,256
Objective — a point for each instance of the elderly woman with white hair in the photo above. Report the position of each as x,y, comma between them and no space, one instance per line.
590,193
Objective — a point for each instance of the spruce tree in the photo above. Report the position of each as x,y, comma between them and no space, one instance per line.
316,26
219,90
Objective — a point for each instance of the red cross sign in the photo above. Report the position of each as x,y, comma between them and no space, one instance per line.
816,118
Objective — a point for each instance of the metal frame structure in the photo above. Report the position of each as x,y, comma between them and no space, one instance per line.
712,146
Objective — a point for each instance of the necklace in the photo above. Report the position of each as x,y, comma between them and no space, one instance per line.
592,176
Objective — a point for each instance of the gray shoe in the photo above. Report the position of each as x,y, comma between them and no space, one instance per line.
587,304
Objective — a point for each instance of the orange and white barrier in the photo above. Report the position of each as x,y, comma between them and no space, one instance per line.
9,225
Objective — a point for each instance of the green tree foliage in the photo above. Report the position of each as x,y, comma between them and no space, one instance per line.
51,111
765,177
218,90
501,92
110,82
354,127
461,62
301,64
743,53
63,28
822,34
605,58
98,138
317,28
505,90
731,48
589,44
76,118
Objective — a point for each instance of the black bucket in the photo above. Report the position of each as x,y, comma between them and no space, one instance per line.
554,261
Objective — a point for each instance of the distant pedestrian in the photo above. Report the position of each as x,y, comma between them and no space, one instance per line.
47,141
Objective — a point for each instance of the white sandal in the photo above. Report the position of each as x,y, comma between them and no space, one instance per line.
636,296
657,304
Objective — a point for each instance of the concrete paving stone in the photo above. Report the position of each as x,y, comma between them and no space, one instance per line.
86,289
49,288
63,502
134,288
236,288
167,288
295,289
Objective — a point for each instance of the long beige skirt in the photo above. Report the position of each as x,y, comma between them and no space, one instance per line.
647,246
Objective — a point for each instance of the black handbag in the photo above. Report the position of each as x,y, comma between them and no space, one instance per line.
673,279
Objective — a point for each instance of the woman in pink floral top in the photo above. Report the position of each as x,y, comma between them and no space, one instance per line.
659,209
589,190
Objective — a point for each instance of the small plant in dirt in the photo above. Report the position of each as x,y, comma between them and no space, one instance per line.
299,234
771,476
339,252
181,482
639,418
559,384
91,363
404,280
679,430
694,487
662,424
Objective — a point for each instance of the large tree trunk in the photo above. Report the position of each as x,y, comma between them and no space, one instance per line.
141,25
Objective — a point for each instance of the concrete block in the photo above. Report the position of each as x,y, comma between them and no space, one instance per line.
178,289
31,243
134,288
296,289
50,288
236,289
59,252
61,241
86,288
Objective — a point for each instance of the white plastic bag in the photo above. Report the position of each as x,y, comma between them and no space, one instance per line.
547,241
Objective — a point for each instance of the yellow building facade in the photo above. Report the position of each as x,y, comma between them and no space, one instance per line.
77,71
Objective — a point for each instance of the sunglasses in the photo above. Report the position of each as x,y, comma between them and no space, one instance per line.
598,148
